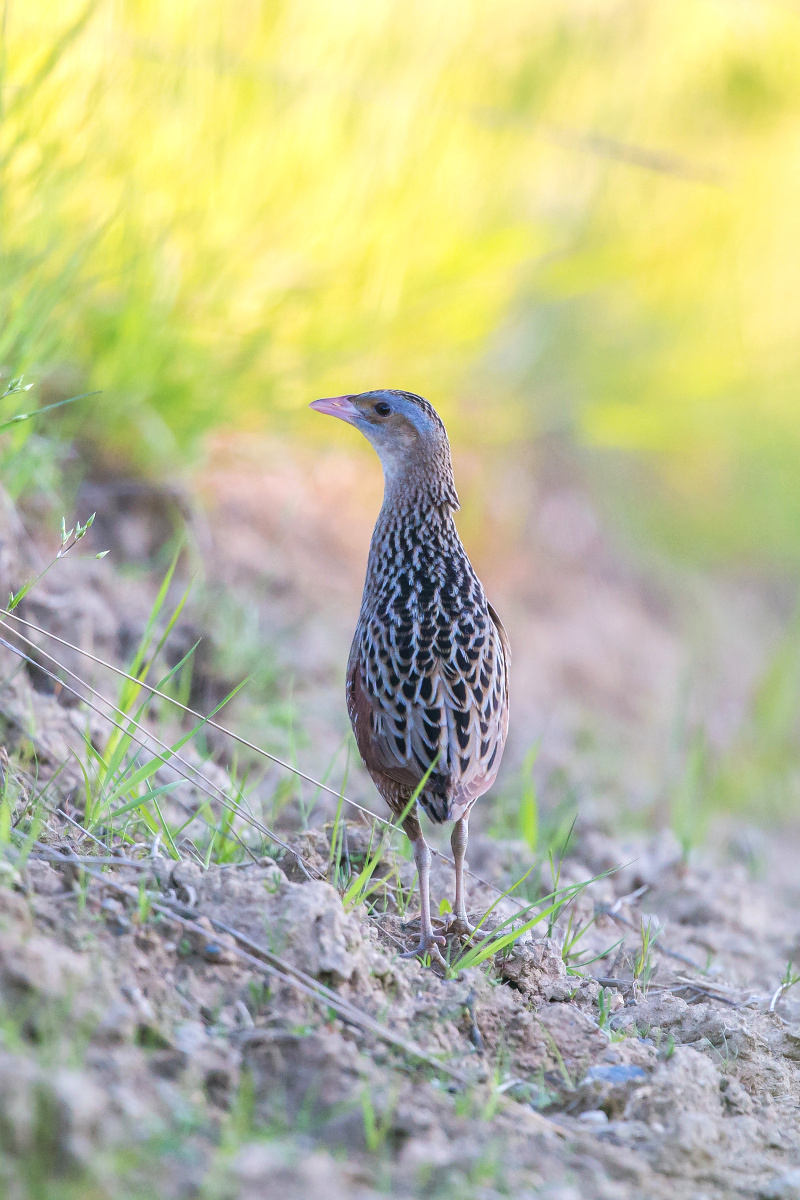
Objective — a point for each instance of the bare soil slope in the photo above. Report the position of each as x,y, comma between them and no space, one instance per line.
244,1029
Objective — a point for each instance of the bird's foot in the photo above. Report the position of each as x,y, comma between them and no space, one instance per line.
459,924
429,946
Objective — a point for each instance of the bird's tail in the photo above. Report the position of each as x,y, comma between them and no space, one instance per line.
438,801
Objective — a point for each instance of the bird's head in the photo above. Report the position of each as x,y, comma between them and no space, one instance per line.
407,434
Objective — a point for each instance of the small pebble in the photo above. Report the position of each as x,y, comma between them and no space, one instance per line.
595,1116
116,916
560,1191
624,1073
782,1187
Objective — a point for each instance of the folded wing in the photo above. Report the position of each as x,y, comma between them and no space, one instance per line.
425,692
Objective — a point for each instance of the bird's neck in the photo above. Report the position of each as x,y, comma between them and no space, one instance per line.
420,486
410,511
415,528
413,516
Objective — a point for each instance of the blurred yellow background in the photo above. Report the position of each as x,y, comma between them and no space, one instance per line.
561,216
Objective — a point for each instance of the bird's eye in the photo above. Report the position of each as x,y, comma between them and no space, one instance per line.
382,408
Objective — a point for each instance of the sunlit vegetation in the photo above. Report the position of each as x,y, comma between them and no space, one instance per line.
583,214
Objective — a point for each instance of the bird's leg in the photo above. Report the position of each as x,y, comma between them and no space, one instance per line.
429,942
458,843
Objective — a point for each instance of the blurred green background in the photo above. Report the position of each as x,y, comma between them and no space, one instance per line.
560,216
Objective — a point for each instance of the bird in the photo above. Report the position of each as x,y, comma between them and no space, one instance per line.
427,675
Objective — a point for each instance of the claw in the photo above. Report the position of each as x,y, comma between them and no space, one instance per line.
458,924
428,945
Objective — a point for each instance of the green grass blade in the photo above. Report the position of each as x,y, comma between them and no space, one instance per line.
357,890
38,412
167,831
142,801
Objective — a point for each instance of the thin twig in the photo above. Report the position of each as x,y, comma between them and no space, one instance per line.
48,854
776,995
614,908
704,992
373,817
201,782
271,964
779,991
608,910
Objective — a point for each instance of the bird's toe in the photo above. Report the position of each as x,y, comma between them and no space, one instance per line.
461,926
428,946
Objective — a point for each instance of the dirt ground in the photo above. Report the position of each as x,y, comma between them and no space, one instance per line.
238,1030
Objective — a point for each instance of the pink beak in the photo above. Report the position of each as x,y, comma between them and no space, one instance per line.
337,406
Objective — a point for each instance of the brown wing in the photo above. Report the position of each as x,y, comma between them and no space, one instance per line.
505,651
371,728
481,726
446,702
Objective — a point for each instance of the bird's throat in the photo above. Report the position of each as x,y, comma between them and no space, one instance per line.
419,487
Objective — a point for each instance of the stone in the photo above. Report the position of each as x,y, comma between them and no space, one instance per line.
538,970
782,1187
